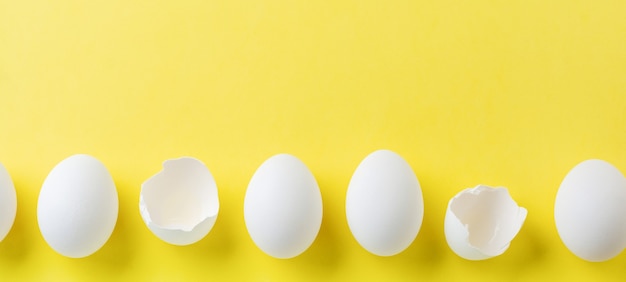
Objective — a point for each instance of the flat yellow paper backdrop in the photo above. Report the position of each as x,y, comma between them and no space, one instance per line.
511,93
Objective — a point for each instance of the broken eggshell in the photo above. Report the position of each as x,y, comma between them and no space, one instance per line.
180,203
481,222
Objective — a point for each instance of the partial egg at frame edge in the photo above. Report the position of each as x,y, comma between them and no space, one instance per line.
8,202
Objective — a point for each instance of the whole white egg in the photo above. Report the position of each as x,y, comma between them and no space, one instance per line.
77,207
384,204
590,211
283,207
8,202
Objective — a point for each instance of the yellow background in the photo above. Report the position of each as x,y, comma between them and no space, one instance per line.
511,93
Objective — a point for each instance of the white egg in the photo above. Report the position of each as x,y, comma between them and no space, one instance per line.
77,207
180,203
384,204
590,211
283,207
481,222
8,202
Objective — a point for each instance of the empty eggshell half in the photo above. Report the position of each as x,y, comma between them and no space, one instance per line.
8,202
180,203
481,222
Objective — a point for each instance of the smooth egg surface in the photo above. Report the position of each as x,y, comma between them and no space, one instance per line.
384,204
590,211
78,206
283,207
8,202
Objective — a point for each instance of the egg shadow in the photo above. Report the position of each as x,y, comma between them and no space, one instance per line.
323,257
117,253
16,246
526,251
218,242
529,246
429,248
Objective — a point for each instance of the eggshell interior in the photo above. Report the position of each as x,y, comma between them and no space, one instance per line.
482,221
180,204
